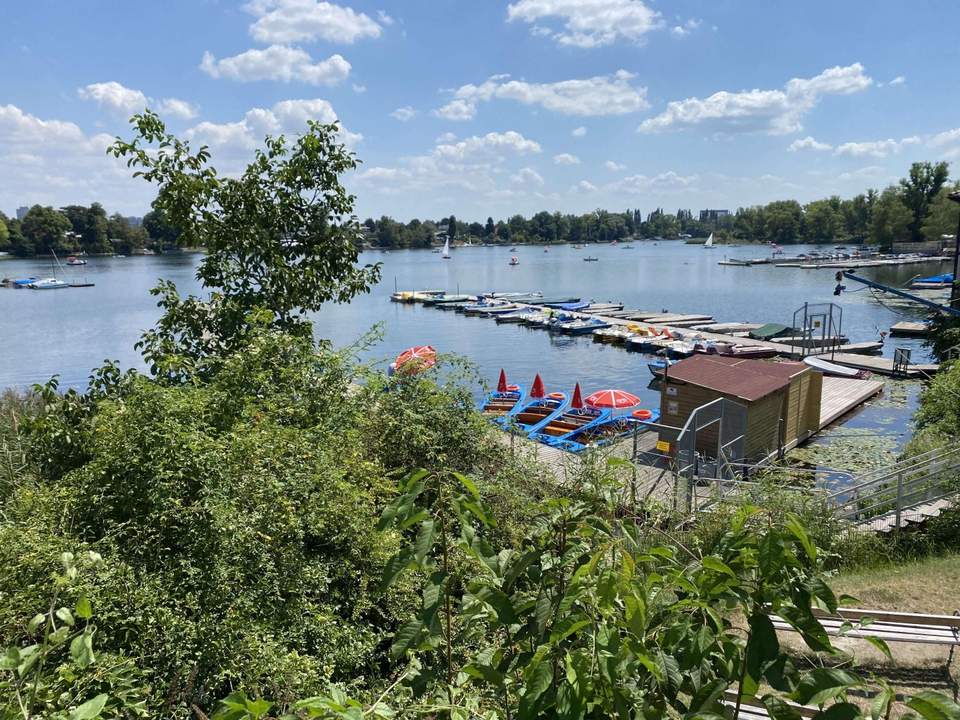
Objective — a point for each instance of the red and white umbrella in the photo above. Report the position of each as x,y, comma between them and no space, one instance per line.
424,355
618,399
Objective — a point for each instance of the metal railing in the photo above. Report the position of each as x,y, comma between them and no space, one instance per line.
886,496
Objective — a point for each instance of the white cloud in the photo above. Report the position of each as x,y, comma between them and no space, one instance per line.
233,143
56,163
585,186
404,113
947,137
898,80
114,96
875,148
588,23
359,89
526,176
686,28
125,101
457,110
474,165
579,132
566,159
595,96
384,18
614,166
775,112
277,62
665,182
808,143
863,174
447,137
287,21
177,108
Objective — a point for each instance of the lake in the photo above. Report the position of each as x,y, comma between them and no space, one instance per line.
68,332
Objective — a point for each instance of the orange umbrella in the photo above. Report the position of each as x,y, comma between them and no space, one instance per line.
425,356
577,401
502,383
537,391
618,399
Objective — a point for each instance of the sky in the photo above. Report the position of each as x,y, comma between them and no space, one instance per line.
486,107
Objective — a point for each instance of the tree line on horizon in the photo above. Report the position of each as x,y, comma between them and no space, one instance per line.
915,209
82,229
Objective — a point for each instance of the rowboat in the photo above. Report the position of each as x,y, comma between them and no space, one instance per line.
680,349
550,300
829,368
604,432
455,306
481,307
658,366
516,316
445,298
569,307
49,284
567,423
527,416
580,326
498,310
499,403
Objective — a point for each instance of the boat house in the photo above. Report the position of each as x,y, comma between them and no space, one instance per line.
782,401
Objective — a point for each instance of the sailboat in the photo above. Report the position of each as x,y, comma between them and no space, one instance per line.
709,243
446,250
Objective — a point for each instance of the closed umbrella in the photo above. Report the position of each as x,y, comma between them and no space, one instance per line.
502,383
537,391
577,402
617,399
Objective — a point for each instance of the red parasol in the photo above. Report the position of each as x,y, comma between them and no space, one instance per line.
618,399
577,402
502,383
537,391
425,356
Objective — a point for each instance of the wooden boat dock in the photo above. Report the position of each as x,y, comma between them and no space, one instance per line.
842,395
909,329
879,365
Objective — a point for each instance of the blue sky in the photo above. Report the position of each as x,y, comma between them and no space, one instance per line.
490,108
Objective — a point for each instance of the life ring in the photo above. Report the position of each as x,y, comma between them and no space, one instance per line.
512,388
642,414
556,396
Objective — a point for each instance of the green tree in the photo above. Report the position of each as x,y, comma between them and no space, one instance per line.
820,221
452,228
782,221
45,229
890,220
90,224
4,233
489,229
919,189
160,229
942,216
282,237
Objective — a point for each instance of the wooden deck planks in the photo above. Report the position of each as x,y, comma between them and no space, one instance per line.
841,395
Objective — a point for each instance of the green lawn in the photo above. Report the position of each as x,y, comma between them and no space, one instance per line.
926,586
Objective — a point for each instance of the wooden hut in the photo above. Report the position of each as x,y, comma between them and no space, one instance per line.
782,400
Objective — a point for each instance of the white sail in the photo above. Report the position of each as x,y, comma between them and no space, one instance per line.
446,249
709,242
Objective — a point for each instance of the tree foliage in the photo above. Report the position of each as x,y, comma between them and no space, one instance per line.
918,191
281,237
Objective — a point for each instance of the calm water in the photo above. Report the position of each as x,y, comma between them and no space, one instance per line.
68,332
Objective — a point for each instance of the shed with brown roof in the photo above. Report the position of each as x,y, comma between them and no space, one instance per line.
782,400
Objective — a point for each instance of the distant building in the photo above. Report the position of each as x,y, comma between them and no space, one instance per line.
22,212
713,215
134,221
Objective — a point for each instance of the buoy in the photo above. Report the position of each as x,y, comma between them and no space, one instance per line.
512,388
556,396
642,414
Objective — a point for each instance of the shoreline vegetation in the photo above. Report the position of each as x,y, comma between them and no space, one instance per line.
261,526
917,209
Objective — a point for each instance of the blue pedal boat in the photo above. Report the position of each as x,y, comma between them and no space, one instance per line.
500,404
567,423
604,432
533,412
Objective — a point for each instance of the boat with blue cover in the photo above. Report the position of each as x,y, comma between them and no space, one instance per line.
580,326
569,307
606,431
658,366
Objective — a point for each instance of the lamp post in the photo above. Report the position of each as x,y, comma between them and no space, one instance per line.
955,287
